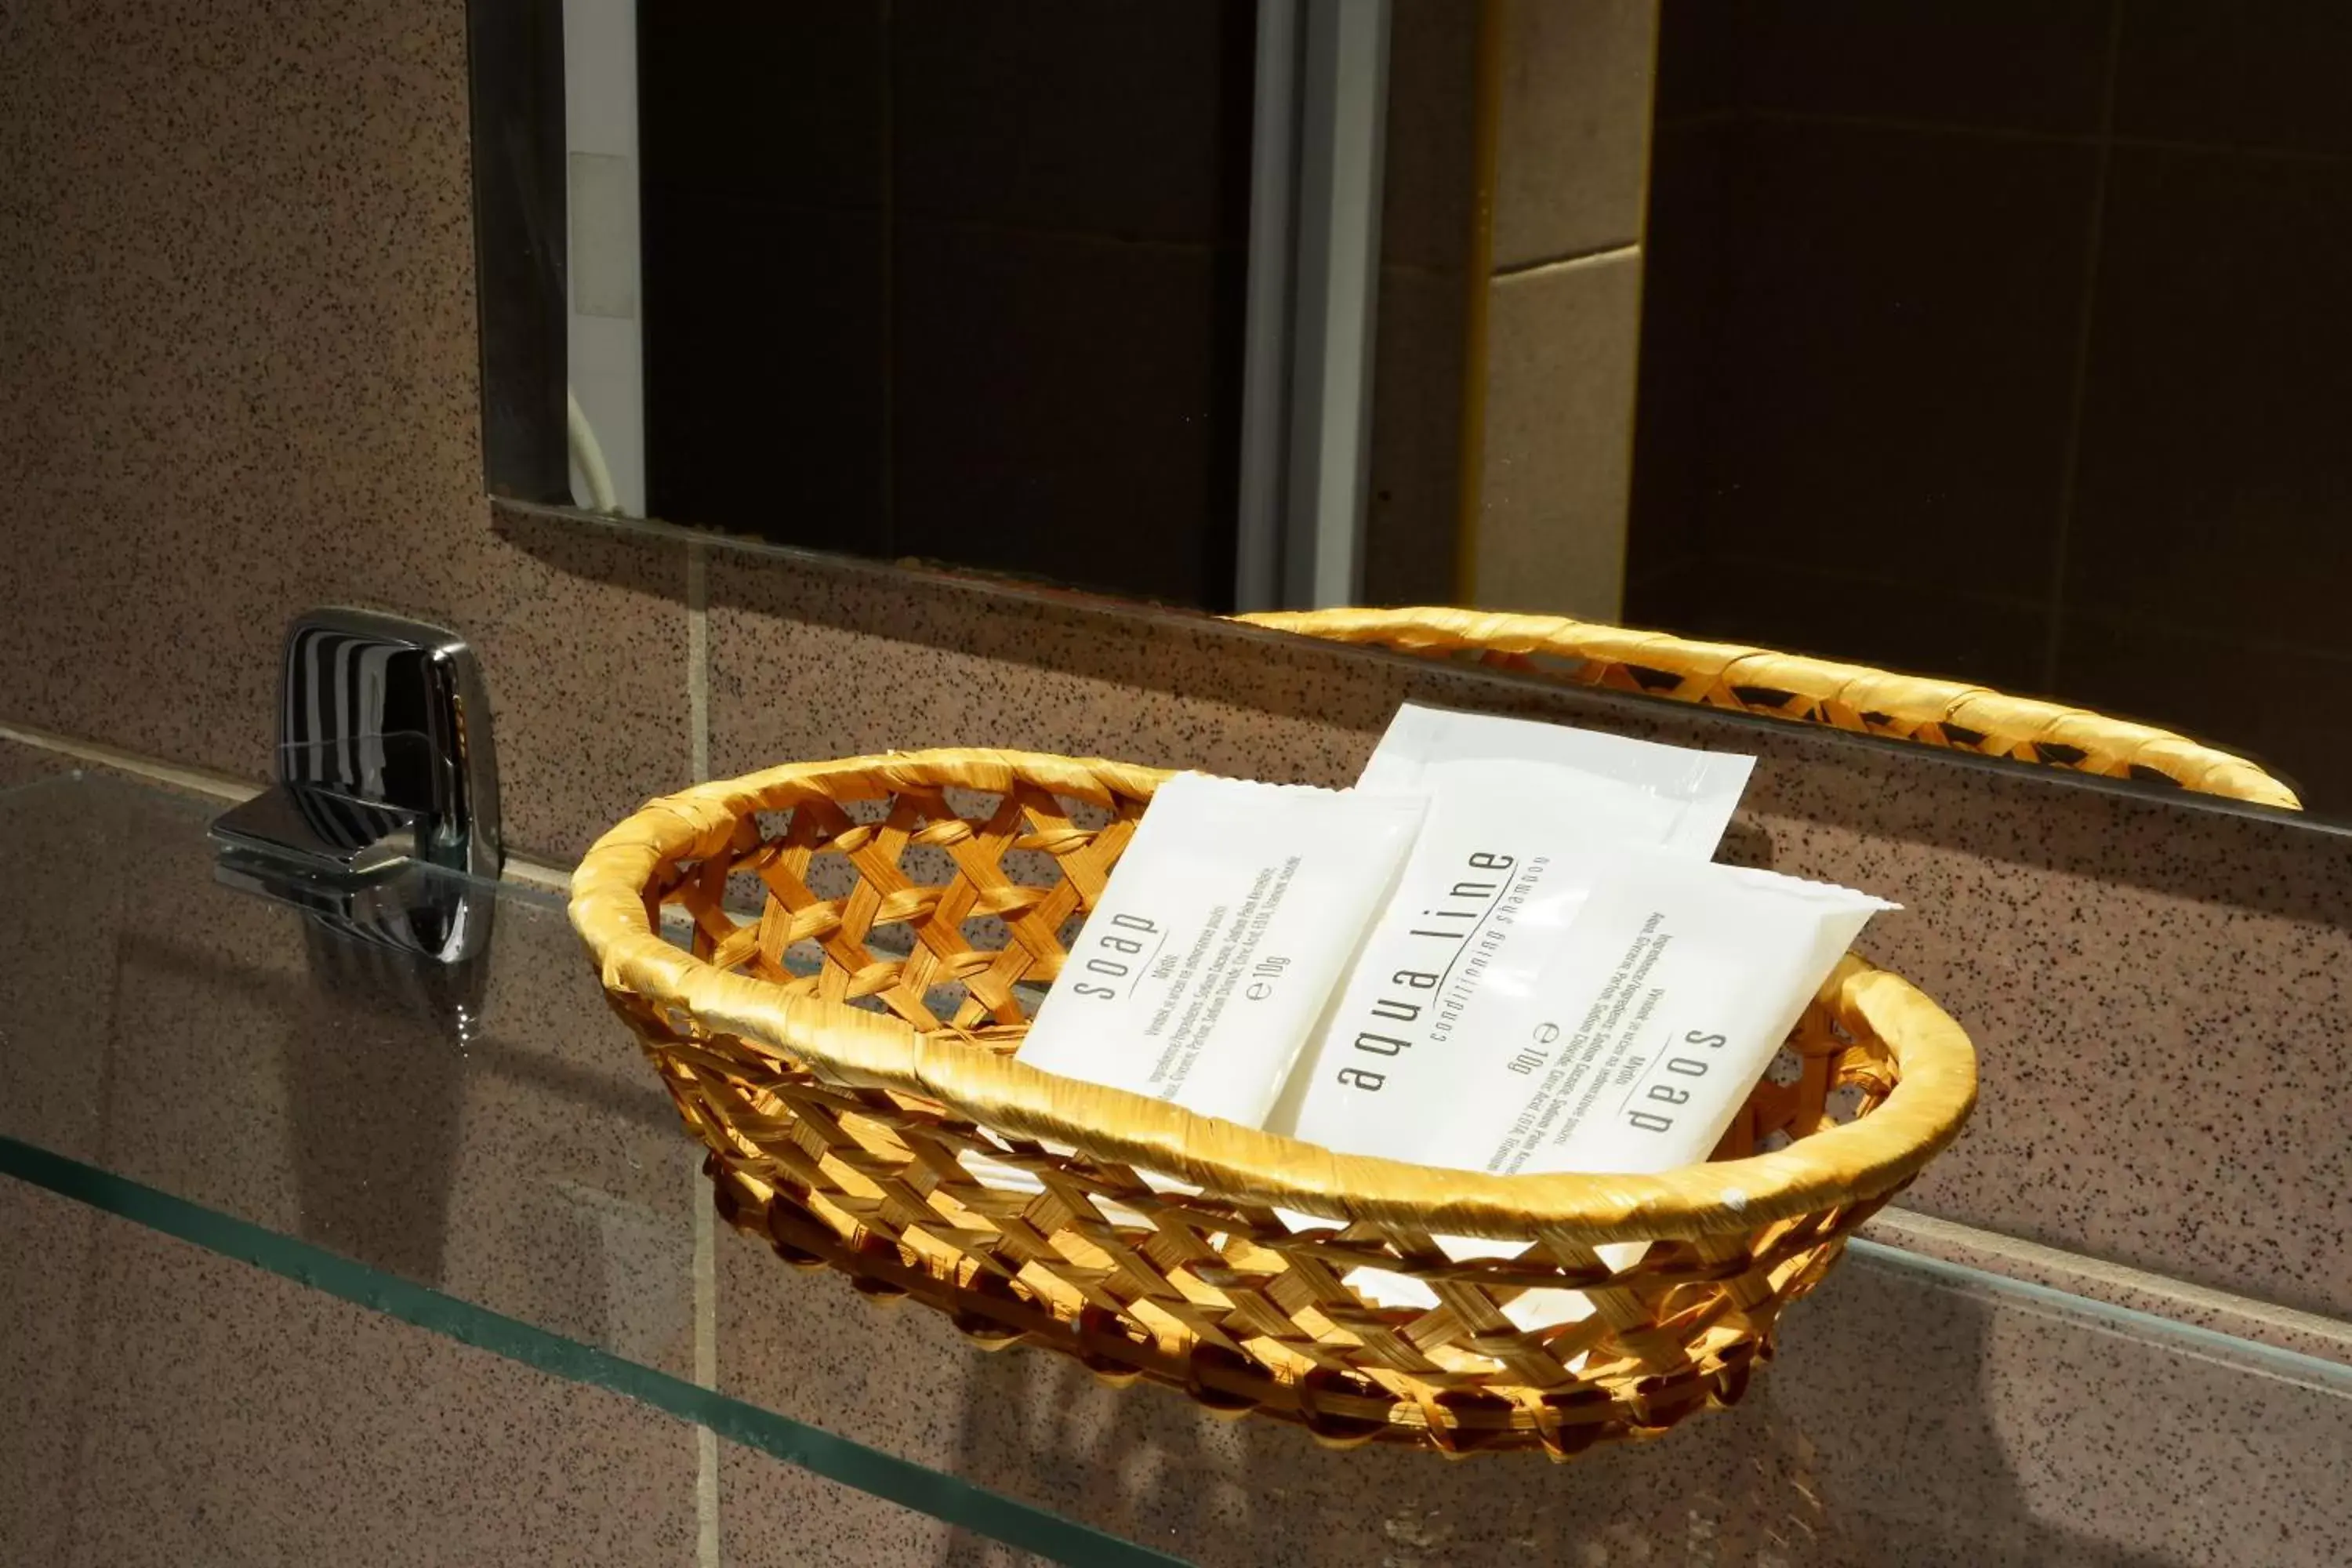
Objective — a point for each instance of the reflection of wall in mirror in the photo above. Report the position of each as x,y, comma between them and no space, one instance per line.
2004,343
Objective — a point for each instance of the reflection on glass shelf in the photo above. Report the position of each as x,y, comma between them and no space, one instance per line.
210,1064
232,1052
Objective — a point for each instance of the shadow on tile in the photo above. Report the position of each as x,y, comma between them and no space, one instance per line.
1903,1423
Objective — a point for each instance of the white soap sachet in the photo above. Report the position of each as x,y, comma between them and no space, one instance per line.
1217,945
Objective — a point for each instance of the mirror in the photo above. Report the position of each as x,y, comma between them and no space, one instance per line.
1995,342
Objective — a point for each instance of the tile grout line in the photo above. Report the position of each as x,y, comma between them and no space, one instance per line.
230,791
1568,262
222,787
2118,1285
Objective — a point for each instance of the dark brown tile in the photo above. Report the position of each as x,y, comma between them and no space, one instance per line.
766,352
1130,121
764,103
1698,61
2214,472
2270,704
1686,270
1572,137
1410,520
1900,343
2240,76
2009,65
1066,408
1914,629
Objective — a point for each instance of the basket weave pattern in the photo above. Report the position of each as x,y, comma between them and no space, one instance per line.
845,1050
1851,696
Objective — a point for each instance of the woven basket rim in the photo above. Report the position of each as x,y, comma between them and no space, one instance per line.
1913,699
1867,1158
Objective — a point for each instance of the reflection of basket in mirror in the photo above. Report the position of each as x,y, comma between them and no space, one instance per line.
1852,697
867,937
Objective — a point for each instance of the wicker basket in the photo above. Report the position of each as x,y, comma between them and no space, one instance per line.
841,1106
1808,690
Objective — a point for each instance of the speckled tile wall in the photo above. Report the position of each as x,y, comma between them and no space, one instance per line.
40,1443
239,334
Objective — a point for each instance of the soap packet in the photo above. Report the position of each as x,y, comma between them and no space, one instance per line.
1217,945
1521,814
1663,1004
1654,1015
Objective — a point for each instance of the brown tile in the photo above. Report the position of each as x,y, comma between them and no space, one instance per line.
21,764
1416,461
808,660
2095,948
582,631
1900,338
244,383
1129,122
1573,138
2260,700
1428,174
766,323
1914,629
1685,273
2236,76
1698,62
43,1299
1560,351
64,838
220,1414
1907,1419
2009,65
1066,407
2213,475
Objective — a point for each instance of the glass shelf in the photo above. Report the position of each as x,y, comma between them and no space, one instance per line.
488,1156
